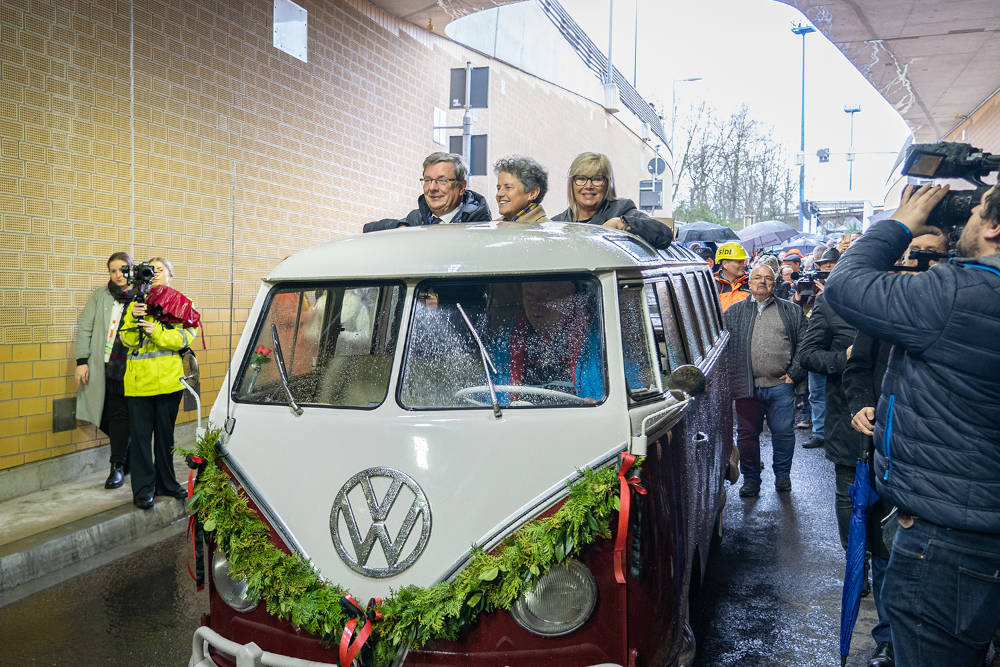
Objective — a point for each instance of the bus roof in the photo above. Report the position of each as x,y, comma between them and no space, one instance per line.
486,248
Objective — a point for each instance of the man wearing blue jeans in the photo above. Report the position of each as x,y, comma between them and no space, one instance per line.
936,425
763,362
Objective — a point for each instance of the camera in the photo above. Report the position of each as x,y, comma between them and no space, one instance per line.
805,282
947,159
140,277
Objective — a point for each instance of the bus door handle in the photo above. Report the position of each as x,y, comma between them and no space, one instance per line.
700,439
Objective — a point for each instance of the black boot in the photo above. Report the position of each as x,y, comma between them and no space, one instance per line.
882,656
115,477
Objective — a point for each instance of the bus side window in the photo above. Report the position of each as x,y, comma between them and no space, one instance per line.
687,318
669,342
638,340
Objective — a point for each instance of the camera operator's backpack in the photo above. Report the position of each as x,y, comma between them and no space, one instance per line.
171,307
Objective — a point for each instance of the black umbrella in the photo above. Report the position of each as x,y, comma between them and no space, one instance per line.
702,230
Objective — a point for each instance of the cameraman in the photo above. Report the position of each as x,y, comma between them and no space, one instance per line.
153,388
100,397
937,425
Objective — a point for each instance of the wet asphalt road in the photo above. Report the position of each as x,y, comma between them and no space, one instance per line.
771,595
138,610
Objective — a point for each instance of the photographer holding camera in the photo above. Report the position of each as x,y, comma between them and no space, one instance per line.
100,397
937,424
153,388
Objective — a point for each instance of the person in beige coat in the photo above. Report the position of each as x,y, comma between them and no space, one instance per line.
521,186
100,365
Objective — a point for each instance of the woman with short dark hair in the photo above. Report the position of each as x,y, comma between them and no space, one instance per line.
100,397
592,199
521,186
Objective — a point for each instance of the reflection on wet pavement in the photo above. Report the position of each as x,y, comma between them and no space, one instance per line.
771,596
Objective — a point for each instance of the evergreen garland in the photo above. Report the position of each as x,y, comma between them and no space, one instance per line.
291,590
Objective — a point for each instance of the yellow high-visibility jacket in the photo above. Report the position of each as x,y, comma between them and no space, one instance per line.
154,368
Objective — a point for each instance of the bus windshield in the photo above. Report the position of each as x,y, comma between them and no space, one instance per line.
337,343
543,336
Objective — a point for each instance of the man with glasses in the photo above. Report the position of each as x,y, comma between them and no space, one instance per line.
445,198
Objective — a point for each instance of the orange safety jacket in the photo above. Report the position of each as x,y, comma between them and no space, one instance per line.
731,292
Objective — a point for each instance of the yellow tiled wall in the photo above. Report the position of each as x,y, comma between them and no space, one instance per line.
160,127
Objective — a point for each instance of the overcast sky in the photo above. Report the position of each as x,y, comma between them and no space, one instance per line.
746,53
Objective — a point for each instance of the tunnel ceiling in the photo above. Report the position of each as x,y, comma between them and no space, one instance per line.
934,61
438,13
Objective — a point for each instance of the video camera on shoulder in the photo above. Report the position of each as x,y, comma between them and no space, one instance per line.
805,281
140,278
948,159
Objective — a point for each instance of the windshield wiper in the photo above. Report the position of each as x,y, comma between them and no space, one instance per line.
487,362
280,360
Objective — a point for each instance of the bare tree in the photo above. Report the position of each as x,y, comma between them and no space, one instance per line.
730,169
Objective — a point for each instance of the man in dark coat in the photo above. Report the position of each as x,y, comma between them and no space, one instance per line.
764,366
825,349
445,199
937,425
862,385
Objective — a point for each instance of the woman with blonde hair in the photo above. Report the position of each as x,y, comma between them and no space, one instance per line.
592,199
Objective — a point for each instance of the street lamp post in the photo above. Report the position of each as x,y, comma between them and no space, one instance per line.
803,30
673,123
850,151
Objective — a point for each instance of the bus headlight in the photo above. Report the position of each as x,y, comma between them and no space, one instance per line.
232,591
562,601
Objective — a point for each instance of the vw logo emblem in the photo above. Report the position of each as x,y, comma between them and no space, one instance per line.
356,550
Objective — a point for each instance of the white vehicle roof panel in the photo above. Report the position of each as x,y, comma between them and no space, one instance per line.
485,248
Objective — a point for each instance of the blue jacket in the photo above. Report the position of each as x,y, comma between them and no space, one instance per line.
937,432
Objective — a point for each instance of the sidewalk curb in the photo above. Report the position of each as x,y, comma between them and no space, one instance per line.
50,551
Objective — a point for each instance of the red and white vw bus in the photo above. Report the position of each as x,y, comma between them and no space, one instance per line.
478,444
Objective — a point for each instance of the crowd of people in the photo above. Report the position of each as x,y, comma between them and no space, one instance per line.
128,376
898,365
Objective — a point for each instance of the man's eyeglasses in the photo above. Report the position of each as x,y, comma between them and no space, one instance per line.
443,182
596,180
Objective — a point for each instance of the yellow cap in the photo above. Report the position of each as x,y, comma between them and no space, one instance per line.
731,250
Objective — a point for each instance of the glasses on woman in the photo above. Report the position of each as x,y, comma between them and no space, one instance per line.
597,180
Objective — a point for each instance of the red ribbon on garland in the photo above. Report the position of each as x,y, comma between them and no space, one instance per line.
349,649
626,486
192,529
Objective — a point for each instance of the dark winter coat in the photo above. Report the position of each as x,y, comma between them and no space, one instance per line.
864,372
824,350
739,321
473,209
654,232
938,419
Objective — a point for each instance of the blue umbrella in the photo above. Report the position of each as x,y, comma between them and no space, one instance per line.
863,496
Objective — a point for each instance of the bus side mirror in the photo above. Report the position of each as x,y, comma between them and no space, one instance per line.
686,380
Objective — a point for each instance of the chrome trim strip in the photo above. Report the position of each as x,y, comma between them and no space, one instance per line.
270,514
534,507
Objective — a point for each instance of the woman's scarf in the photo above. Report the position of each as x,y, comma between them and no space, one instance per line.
120,294
524,211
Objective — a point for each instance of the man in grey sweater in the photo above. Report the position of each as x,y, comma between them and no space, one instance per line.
764,367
